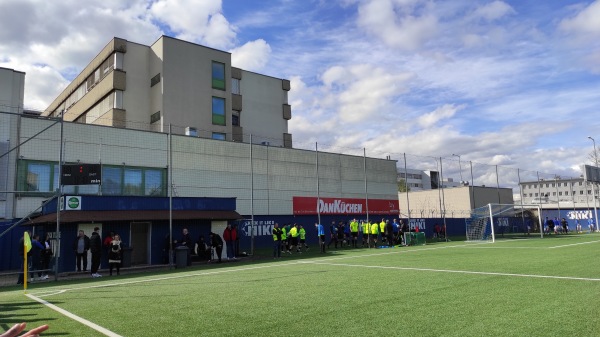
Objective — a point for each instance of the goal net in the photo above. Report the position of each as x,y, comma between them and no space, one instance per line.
490,222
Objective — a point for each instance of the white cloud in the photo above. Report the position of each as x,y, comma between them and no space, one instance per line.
196,21
252,56
444,112
586,21
493,10
361,92
402,24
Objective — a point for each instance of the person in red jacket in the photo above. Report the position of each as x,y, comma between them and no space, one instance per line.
230,236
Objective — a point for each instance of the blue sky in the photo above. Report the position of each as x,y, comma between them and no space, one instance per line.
508,83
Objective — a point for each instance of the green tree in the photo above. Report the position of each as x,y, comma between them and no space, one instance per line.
402,186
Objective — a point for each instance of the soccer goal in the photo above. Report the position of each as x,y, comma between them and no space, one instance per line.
490,222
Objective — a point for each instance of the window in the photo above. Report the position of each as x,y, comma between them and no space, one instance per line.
535,186
553,194
235,120
132,182
119,61
566,192
123,180
218,135
112,181
580,183
235,86
589,191
218,75
536,194
218,111
153,182
118,100
552,184
530,195
559,193
37,176
155,80
155,117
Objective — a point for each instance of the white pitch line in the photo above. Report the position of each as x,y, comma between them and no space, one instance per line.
458,271
574,244
399,251
221,271
515,247
75,317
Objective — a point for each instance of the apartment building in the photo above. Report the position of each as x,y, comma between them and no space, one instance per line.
179,86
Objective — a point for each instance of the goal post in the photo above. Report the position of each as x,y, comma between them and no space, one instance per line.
492,221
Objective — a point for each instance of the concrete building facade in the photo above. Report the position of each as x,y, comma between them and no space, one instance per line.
456,202
12,89
176,83
557,193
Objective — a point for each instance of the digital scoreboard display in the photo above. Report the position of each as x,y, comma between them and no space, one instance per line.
81,174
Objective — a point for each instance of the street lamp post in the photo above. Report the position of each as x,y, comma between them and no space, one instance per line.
594,184
460,166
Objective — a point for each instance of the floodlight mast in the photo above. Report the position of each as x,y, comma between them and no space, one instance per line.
594,185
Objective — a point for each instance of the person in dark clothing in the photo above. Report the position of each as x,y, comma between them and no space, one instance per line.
333,237
340,234
81,247
36,256
21,248
46,255
237,241
276,232
96,250
203,249
403,229
114,254
565,226
230,236
389,229
186,240
217,243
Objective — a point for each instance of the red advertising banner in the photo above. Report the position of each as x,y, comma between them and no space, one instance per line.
308,205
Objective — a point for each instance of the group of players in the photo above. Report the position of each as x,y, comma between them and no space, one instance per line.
371,235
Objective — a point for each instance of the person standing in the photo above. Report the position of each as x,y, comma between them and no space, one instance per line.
333,235
374,231
354,232
321,236
302,234
382,231
186,240
217,243
230,236
404,229
565,226
236,246
293,234
366,231
81,247
389,230
276,232
114,255
96,250
36,257
21,248
46,255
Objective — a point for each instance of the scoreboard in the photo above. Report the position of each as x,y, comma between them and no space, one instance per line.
81,174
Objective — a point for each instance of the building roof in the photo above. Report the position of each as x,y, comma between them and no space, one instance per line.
133,215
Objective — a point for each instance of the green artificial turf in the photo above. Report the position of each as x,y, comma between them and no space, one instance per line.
441,289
